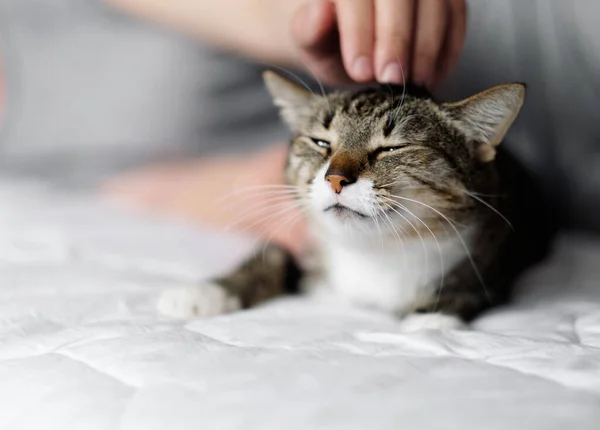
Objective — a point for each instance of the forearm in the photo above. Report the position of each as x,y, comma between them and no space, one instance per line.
254,28
242,193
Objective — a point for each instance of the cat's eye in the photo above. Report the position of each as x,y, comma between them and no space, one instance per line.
321,143
388,149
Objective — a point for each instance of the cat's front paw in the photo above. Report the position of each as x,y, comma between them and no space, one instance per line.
431,321
197,301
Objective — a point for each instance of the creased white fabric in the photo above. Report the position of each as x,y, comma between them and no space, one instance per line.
82,348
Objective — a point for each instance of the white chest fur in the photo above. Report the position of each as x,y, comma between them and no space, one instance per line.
391,277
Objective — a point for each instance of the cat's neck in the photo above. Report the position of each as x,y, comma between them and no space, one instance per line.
391,274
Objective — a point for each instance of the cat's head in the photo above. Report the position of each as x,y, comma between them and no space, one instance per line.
391,156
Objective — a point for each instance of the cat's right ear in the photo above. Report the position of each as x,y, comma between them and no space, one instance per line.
294,102
486,117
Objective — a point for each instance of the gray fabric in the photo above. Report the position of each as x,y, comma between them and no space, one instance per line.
553,46
92,91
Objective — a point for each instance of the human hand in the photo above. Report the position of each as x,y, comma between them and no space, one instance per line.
239,194
390,41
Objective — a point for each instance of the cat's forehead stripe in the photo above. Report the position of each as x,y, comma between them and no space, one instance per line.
389,126
369,103
328,118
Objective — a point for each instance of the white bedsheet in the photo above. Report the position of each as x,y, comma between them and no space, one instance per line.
81,346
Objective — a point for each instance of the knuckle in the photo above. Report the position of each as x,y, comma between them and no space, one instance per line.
425,57
395,38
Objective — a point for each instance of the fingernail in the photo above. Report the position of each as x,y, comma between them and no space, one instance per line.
361,69
392,74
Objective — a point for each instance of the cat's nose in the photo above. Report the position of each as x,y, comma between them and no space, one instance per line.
337,182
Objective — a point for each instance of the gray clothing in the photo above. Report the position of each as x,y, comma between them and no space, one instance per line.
92,91
554,47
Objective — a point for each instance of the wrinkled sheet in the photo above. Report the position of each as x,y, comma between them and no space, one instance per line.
81,346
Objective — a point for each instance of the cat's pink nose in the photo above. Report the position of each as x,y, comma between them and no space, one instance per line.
337,182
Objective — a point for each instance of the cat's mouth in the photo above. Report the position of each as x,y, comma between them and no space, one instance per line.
342,210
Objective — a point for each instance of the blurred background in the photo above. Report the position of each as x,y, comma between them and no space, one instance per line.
92,92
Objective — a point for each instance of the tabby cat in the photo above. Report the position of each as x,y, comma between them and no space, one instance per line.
415,209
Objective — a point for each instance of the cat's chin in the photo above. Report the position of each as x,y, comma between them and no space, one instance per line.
341,212
345,222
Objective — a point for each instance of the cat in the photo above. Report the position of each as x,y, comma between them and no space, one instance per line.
415,208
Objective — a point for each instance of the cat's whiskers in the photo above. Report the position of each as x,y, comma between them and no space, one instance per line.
400,241
389,184
442,265
270,194
262,197
285,221
257,210
233,197
461,239
485,194
303,82
321,87
416,231
492,208
402,98
256,188
426,254
291,221
377,213
279,207
261,205
289,73
375,218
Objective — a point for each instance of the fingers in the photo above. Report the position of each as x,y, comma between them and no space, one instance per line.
314,31
455,38
311,23
392,41
393,34
356,27
431,20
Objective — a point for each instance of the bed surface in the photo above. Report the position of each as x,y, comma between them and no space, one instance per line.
81,346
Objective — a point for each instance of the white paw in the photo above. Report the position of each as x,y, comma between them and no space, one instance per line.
431,321
197,301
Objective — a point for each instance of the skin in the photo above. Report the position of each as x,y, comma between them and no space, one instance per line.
385,40
338,41
195,191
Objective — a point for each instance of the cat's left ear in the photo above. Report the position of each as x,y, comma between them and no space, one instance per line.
487,116
294,102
